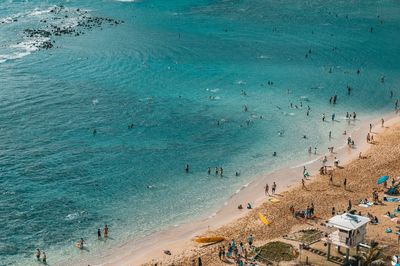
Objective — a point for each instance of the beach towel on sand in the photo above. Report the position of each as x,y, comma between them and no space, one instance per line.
392,199
274,200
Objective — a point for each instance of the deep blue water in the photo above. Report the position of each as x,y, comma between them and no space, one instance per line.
173,69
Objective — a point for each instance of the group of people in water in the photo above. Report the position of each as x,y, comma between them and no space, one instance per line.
80,243
41,255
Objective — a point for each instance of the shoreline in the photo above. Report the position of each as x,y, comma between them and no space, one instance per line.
177,239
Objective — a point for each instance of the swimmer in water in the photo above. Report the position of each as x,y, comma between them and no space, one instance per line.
80,243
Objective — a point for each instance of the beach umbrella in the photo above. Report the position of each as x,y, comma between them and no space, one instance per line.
382,179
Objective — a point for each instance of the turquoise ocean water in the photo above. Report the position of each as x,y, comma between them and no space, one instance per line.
176,71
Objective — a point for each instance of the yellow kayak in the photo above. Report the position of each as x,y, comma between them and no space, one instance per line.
263,219
211,239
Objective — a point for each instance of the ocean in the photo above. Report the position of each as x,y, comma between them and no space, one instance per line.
103,103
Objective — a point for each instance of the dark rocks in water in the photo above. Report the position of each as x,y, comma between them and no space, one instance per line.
37,33
85,22
45,45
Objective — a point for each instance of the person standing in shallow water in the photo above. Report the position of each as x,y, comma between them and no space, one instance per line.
105,231
44,258
98,234
38,254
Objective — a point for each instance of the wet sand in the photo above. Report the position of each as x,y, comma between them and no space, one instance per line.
233,223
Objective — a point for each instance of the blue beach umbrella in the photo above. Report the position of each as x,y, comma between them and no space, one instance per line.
382,179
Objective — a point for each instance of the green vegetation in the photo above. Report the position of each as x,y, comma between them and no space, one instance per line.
276,251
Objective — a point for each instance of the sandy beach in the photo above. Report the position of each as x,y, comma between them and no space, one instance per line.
230,222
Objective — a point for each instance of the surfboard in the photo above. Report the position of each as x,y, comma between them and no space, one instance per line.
263,219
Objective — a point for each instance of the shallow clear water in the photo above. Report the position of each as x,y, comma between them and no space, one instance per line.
158,70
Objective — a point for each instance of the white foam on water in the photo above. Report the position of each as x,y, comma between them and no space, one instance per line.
306,163
23,48
213,90
38,12
72,216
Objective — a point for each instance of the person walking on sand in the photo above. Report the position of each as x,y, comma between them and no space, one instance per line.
382,122
267,189
370,127
273,188
220,253
345,183
250,240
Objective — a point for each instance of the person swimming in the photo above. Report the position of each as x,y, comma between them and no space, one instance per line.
79,243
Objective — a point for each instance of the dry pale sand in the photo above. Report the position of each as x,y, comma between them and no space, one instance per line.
383,158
